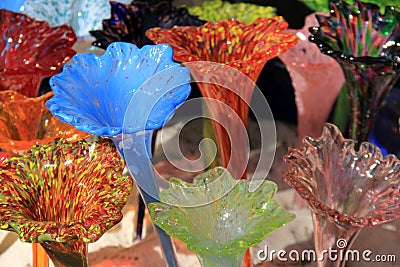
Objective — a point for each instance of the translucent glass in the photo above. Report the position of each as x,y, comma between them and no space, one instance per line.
346,189
208,217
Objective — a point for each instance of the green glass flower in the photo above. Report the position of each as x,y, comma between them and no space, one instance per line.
64,195
217,216
322,5
216,10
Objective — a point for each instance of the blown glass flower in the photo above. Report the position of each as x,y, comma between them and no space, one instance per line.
366,44
346,189
215,10
64,195
314,96
124,94
322,5
244,47
26,121
83,16
208,217
129,22
31,50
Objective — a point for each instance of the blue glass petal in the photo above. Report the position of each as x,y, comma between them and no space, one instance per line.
13,5
93,92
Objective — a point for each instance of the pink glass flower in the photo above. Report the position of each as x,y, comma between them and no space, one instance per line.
64,195
316,79
31,50
347,190
244,47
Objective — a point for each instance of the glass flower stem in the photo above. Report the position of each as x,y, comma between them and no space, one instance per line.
68,254
40,258
137,147
332,241
211,260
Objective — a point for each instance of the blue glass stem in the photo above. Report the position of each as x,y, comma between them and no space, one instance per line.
136,151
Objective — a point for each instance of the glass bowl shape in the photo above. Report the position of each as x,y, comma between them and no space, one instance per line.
31,50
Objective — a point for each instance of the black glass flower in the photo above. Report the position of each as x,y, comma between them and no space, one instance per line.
129,22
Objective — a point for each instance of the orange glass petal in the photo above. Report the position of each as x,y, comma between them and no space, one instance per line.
26,121
245,47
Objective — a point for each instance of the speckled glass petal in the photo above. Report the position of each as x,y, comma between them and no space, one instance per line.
93,92
63,195
129,22
244,47
31,50
346,189
228,219
314,96
215,10
26,121
322,5
367,46
83,15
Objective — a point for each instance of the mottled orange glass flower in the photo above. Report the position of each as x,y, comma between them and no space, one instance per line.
64,195
26,121
244,47
31,50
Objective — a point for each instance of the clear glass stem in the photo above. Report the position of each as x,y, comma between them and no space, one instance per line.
211,260
68,254
332,242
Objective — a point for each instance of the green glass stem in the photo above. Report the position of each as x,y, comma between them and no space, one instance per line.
228,260
208,132
332,242
68,254
342,109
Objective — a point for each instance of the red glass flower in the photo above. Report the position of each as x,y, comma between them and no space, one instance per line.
26,121
244,47
31,50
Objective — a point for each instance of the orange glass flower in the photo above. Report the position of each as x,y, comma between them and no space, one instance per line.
26,121
245,47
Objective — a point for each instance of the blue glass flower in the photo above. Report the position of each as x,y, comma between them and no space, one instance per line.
124,94
93,92
13,5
